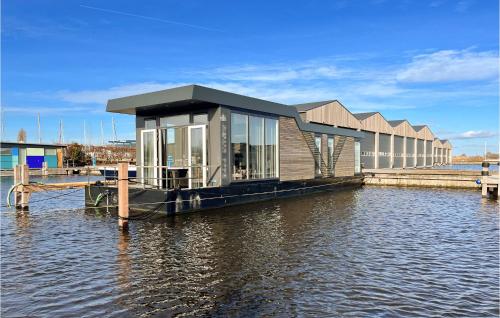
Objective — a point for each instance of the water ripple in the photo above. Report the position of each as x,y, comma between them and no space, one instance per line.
355,253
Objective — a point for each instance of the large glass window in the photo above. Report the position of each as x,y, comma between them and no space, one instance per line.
150,123
200,119
317,162
239,137
330,154
174,121
176,147
256,147
271,151
357,157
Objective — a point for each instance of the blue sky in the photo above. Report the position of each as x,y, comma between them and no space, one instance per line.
432,62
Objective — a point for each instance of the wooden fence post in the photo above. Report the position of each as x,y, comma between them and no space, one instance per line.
123,195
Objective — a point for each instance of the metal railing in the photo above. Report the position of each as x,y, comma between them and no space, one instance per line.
169,177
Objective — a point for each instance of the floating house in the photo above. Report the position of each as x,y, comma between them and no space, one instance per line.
199,148
32,154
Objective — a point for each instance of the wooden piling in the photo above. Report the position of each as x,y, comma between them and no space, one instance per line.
45,168
25,193
484,179
123,195
17,180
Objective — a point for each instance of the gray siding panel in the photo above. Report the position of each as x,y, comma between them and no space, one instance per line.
368,150
420,153
384,155
428,158
398,151
410,151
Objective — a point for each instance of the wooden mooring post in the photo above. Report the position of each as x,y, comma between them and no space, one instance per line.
21,193
123,195
484,173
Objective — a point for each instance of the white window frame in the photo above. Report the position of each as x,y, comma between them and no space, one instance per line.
204,160
155,156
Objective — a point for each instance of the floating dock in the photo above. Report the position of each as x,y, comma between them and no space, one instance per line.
485,180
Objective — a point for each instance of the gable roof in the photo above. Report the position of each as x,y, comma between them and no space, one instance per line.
331,113
424,132
375,122
362,116
308,106
419,127
395,123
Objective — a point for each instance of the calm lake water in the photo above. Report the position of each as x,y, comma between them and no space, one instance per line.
366,252
466,167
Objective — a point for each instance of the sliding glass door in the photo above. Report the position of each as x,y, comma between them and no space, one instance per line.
149,155
197,156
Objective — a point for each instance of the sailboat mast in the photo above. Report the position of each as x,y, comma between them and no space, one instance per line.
114,129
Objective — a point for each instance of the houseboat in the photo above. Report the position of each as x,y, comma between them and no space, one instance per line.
201,148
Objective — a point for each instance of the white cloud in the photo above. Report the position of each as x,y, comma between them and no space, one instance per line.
278,72
464,5
101,96
48,110
451,65
474,134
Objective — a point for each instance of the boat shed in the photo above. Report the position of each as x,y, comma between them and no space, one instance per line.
423,145
404,144
330,112
438,151
376,147
32,154
446,151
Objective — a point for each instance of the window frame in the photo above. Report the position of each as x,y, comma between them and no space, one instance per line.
231,155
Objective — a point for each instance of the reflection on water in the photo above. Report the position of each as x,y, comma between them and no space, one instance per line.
365,252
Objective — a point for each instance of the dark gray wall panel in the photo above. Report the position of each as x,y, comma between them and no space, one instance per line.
410,151
384,155
368,150
420,152
428,148
398,151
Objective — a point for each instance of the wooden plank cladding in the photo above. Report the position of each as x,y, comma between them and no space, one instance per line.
375,122
333,113
296,157
296,160
405,129
345,163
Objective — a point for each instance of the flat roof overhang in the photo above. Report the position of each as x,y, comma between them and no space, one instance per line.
194,94
29,144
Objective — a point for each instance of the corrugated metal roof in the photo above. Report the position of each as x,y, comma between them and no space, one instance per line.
362,116
308,106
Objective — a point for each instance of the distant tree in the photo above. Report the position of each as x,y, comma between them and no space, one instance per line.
21,135
75,153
